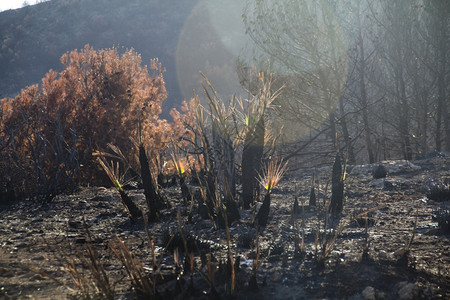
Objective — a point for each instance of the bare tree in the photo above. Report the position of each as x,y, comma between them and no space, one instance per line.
393,99
394,52
307,51
361,60
436,33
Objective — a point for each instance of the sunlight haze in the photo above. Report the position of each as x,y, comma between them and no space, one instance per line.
14,4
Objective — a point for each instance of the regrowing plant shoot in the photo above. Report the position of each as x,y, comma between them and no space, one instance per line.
117,178
180,169
272,174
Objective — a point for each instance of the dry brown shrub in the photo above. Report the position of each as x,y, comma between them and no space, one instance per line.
99,98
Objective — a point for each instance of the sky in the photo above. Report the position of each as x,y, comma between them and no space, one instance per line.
13,4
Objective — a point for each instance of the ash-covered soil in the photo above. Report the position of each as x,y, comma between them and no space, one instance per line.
36,238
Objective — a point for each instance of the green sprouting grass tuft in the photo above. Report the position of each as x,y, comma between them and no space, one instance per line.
273,173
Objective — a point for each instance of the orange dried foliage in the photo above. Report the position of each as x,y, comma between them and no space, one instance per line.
100,96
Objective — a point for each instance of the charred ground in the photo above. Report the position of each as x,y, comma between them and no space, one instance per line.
48,237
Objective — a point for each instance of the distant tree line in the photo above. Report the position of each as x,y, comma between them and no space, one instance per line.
367,77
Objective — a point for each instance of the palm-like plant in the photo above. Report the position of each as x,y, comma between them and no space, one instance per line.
254,136
224,142
181,172
117,177
272,174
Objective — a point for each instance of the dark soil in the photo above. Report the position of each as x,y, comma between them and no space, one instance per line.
366,261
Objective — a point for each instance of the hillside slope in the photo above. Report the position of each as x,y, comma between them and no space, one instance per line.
33,38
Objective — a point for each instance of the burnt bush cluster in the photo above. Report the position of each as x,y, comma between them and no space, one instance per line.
49,131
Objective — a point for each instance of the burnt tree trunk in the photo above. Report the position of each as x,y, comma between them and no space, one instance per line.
362,62
153,199
232,211
312,197
312,194
185,192
337,187
133,211
346,134
263,214
251,163
248,185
